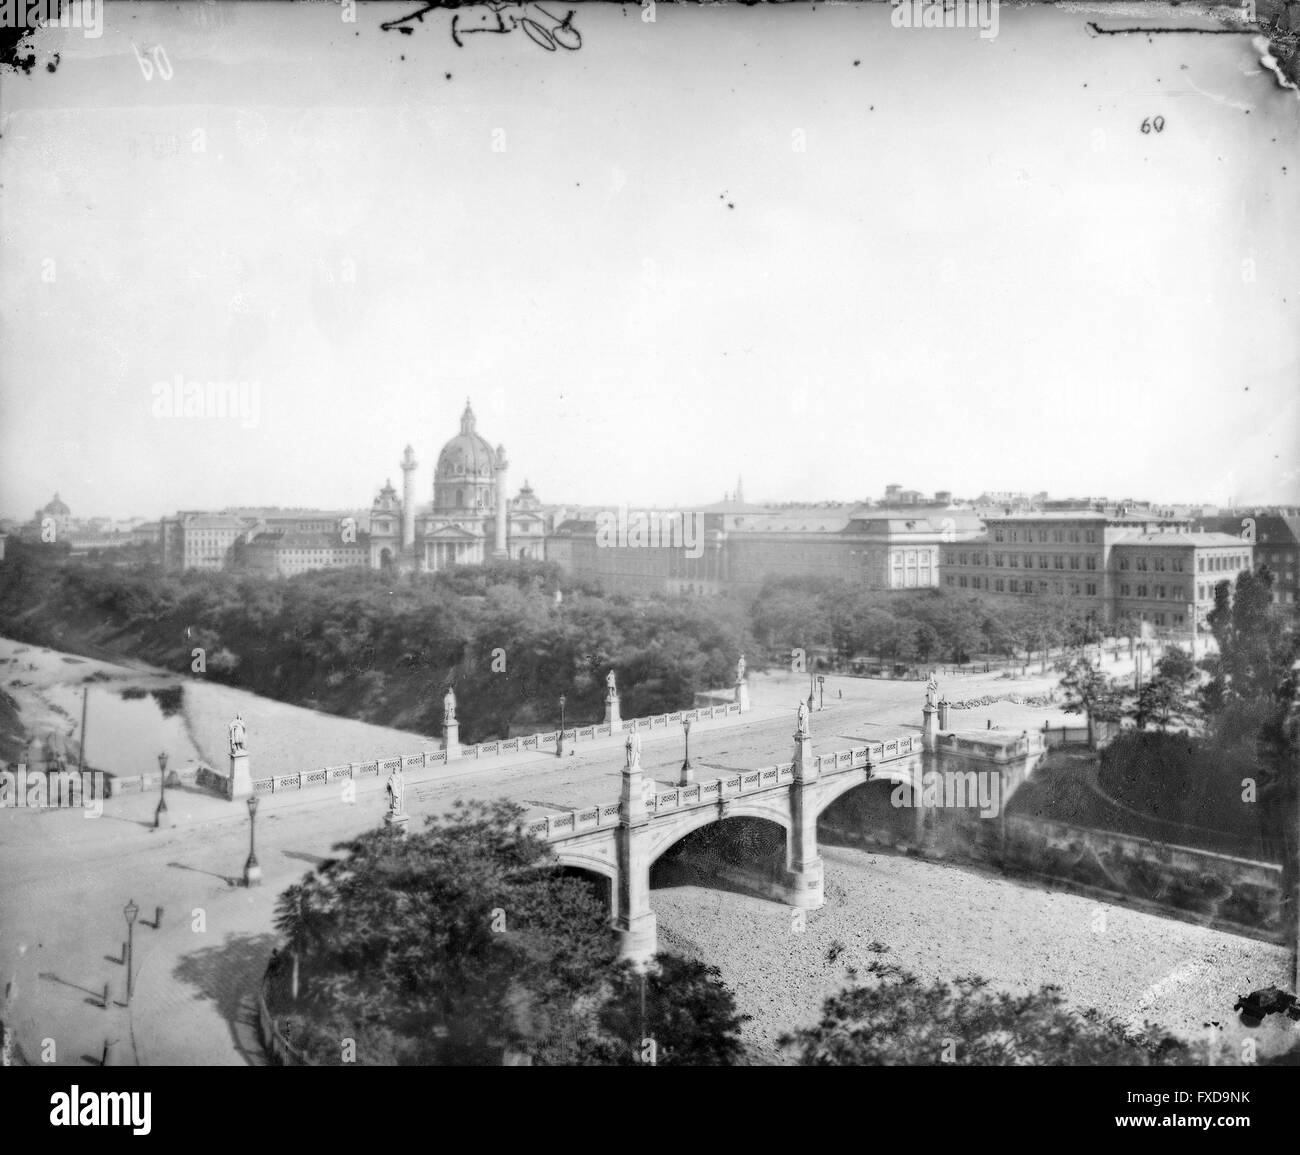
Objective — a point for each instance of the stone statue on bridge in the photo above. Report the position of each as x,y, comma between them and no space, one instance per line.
396,789
610,686
633,748
803,718
740,670
449,707
931,688
237,736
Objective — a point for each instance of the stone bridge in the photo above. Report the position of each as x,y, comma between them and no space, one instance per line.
620,841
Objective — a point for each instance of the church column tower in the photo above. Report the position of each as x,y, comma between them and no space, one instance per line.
503,504
408,500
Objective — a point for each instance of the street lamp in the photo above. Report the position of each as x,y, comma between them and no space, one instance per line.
252,872
130,910
687,769
559,743
821,691
160,815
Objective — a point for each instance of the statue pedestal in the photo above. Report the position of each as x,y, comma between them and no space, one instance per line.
742,696
927,726
451,740
943,716
612,718
240,782
397,821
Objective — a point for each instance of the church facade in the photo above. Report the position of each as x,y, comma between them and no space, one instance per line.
471,517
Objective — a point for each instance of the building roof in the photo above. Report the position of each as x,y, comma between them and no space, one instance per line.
274,540
1182,539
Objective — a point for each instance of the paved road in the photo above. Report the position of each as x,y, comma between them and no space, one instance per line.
68,877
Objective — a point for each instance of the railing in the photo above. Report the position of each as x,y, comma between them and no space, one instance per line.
383,766
558,827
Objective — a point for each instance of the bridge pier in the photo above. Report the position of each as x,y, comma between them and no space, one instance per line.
805,872
635,921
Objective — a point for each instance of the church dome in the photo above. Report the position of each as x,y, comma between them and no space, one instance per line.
57,508
467,454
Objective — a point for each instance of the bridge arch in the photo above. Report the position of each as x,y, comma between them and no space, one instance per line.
664,836
593,869
749,853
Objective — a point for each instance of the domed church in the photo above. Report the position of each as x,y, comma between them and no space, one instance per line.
471,517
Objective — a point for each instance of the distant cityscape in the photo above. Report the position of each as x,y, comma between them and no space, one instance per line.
1157,564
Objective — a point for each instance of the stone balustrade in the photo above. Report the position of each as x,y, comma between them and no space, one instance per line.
520,745
558,827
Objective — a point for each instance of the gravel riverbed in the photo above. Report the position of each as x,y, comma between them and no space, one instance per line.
942,921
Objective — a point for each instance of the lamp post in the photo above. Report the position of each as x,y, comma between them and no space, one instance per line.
687,769
130,910
160,815
559,744
252,872
821,691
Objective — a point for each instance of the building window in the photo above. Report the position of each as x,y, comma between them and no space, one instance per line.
963,559
1200,565
1042,535
1042,587
1059,561
1142,591
1160,591
961,581
1015,535
999,585
1074,561
1015,585
1090,536
950,558
1091,562
1092,589
998,535
1160,565
1123,563
1141,564
1042,561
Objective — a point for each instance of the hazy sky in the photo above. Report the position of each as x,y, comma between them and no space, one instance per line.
797,244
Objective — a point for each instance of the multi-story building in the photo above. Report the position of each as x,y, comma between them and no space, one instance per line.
195,540
283,554
740,546
1110,564
1275,534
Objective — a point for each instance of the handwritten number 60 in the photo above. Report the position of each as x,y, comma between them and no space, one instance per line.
1158,124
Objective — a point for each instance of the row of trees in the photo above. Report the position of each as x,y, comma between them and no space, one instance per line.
511,638
920,625
466,944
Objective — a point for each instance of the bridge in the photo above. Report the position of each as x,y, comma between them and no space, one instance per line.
620,841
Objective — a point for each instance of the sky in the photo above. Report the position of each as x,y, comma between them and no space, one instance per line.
796,244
